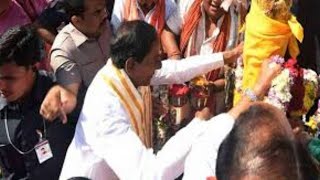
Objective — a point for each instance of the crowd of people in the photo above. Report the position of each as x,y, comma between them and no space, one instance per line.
78,78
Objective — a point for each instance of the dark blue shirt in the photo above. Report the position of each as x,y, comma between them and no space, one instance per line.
24,121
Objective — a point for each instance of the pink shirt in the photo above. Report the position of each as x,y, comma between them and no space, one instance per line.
13,16
33,7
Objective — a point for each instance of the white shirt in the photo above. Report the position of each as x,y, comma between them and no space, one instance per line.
106,147
117,19
201,161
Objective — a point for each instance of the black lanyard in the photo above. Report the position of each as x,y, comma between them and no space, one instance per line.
9,139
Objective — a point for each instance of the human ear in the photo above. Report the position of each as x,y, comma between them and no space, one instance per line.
75,19
129,66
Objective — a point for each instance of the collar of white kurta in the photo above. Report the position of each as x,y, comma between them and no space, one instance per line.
137,110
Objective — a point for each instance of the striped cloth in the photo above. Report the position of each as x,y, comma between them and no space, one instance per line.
138,109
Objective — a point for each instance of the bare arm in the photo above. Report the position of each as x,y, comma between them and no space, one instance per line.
69,80
46,35
231,55
260,89
217,85
169,44
59,101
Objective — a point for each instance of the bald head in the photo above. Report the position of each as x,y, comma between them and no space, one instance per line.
260,146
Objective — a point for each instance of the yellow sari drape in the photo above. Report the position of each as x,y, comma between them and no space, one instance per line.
265,37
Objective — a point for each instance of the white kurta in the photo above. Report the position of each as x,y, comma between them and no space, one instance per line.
201,161
106,147
117,19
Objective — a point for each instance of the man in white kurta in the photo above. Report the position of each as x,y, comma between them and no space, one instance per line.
107,143
201,161
105,147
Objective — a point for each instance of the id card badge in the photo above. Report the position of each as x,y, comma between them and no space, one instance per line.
43,151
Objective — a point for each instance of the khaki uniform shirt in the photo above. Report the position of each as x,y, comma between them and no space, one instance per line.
75,58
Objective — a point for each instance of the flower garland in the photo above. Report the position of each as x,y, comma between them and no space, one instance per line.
279,93
304,89
293,90
314,122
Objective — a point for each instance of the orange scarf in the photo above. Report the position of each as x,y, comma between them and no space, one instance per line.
157,19
191,21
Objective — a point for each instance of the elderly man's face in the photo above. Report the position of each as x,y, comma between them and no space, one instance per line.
213,9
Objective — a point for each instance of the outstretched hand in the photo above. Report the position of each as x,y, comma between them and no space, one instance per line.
204,114
269,70
232,55
57,104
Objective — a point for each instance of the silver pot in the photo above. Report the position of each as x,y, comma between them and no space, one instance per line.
178,101
199,102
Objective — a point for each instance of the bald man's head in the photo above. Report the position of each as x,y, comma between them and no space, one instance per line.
260,146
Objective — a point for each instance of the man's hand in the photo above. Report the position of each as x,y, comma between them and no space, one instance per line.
204,114
232,55
57,103
269,70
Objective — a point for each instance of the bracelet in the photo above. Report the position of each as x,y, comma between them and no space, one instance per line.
251,95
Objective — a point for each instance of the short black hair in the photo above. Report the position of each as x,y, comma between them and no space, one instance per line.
21,45
78,178
273,157
74,7
132,39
